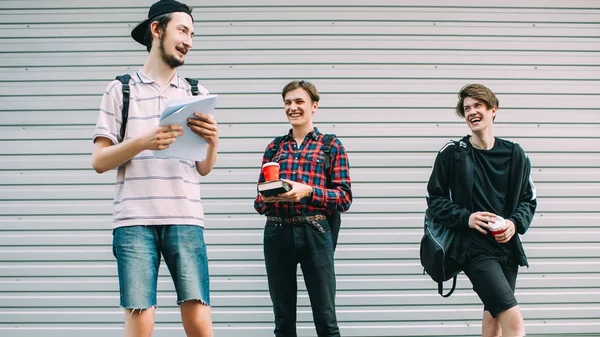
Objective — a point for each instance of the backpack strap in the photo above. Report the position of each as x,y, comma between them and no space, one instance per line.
441,287
194,84
328,140
334,218
273,151
459,146
124,79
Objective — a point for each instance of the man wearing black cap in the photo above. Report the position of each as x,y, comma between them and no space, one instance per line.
157,208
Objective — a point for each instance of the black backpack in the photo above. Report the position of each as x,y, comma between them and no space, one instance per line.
124,79
334,219
435,259
435,245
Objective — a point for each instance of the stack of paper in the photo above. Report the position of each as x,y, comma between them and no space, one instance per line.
188,146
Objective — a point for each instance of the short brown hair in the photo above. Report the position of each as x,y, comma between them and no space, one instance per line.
163,21
478,92
310,89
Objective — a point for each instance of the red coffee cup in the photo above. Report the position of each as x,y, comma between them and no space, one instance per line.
271,171
500,222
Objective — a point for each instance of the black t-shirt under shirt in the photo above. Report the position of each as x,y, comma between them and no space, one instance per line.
490,187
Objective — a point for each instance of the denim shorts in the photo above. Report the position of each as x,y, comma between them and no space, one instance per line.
138,250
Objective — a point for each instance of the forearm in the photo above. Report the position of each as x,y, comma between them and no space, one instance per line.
205,167
523,215
525,210
337,194
439,202
448,213
106,158
259,205
337,198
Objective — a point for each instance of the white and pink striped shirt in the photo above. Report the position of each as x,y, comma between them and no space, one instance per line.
150,190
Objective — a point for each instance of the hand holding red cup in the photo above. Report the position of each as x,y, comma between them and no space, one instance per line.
271,171
496,225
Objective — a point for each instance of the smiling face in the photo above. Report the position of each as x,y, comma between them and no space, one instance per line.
299,107
478,105
477,114
175,41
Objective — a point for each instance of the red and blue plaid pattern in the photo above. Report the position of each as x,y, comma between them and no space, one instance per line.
307,164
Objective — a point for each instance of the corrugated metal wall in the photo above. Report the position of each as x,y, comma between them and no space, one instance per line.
388,72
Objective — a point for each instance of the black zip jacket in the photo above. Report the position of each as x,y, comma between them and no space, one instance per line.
450,199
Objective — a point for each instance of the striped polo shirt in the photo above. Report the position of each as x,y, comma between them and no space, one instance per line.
150,190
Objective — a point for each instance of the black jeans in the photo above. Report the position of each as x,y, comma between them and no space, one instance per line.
311,245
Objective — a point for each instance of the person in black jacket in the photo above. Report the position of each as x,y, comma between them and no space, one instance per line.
476,184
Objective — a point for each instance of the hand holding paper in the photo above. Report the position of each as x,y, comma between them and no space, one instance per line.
204,126
192,144
161,137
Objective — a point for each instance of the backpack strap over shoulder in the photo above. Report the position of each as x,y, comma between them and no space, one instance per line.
328,140
273,151
194,83
124,79
459,146
334,218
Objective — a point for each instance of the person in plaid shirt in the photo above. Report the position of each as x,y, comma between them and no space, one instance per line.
297,230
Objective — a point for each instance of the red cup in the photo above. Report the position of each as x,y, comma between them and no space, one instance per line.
500,222
271,171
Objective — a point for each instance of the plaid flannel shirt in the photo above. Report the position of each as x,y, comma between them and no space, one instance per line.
307,164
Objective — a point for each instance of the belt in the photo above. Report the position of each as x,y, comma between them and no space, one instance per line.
297,219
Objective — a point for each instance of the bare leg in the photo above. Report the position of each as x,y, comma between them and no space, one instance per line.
139,322
490,326
196,319
511,321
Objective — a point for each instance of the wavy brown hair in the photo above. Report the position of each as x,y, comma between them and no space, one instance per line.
310,89
478,92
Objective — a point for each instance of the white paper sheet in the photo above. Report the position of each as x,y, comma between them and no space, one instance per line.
188,146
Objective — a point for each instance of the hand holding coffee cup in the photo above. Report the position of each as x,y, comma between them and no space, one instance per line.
498,226
480,221
503,230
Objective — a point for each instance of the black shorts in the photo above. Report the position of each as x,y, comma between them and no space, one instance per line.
494,279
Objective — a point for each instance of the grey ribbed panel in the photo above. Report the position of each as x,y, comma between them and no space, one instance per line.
388,75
